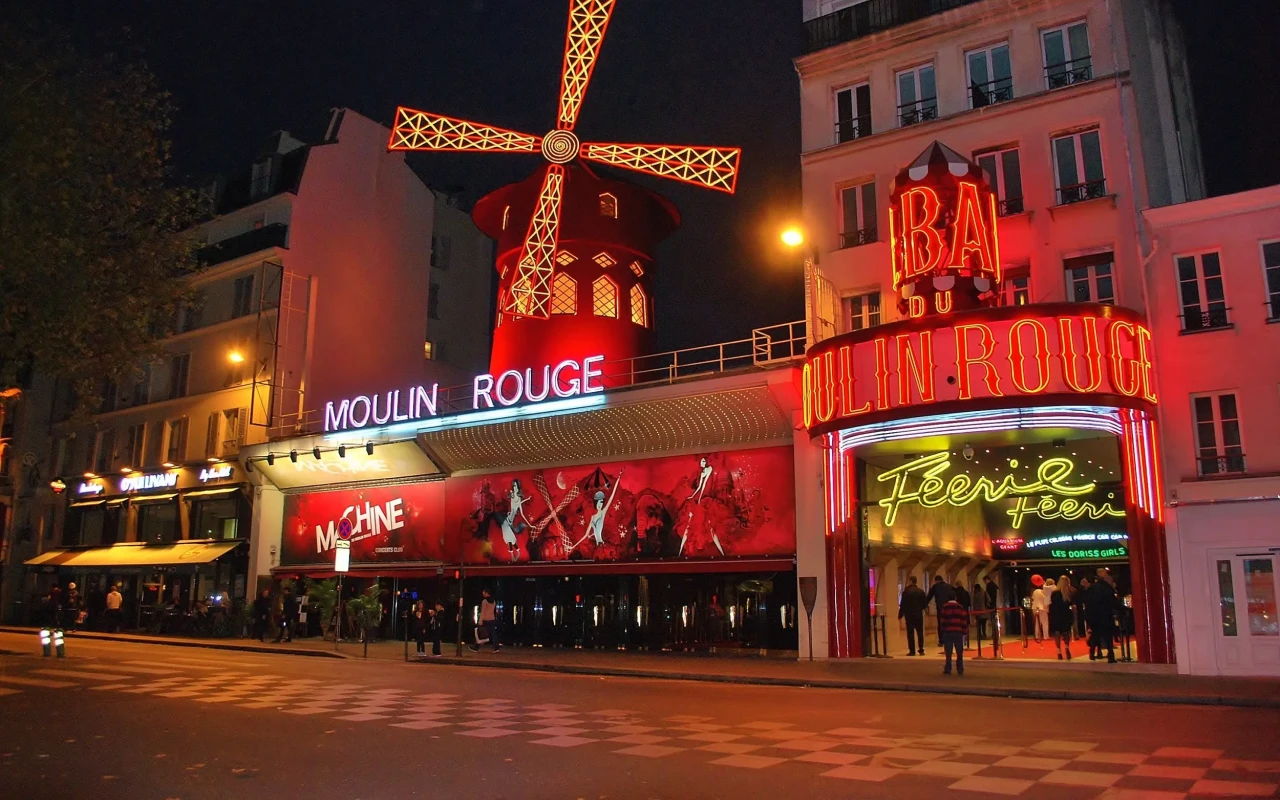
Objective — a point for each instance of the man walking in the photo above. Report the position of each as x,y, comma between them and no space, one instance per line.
487,631
1102,609
114,601
437,629
939,593
953,624
261,615
911,608
290,613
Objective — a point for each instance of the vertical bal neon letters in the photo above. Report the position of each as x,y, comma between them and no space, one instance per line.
920,368
882,373
824,387
965,360
922,244
1092,354
1125,377
1017,355
847,385
971,235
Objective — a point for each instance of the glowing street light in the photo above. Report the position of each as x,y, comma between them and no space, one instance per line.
235,357
793,237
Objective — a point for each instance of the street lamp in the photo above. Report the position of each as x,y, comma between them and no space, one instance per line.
793,237
235,357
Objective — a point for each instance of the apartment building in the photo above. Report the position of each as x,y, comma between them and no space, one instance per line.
321,270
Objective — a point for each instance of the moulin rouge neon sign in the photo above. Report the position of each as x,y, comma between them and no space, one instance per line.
1051,495
569,378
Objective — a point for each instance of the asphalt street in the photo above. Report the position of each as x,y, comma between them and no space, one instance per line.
150,721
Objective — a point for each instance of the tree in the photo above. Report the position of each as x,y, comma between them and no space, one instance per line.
92,249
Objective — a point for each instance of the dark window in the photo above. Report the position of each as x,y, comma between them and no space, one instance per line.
1220,450
853,113
218,518
858,211
861,311
242,303
1271,269
179,373
158,521
1004,174
1204,305
433,301
1089,279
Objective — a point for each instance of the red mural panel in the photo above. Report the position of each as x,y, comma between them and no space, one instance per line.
389,524
740,503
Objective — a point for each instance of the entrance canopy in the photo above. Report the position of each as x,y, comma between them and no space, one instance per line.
135,554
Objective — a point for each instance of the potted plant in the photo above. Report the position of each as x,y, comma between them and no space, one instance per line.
322,599
366,609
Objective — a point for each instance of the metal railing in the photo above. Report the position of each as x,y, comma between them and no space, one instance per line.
273,235
858,237
1221,465
1068,72
1079,192
863,19
849,129
988,94
1205,320
766,347
1009,206
922,110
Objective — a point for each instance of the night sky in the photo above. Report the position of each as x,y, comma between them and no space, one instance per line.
671,71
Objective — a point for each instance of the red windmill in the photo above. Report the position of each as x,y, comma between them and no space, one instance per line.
540,284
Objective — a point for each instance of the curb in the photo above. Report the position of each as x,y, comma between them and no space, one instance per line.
201,643
879,686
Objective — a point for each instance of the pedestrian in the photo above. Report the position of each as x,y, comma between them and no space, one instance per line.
261,615
1081,602
980,611
953,624
911,607
1102,603
418,622
940,592
288,616
966,602
487,630
993,605
437,629
114,601
1060,621
1040,611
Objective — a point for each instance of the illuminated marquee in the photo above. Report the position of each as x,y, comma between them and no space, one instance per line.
1052,495
981,358
152,480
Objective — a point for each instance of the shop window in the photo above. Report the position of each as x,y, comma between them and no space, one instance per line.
564,295
1227,599
1271,274
1015,289
1003,169
1260,596
1200,292
861,311
639,306
604,298
608,205
1089,279
158,521
1219,447
217,518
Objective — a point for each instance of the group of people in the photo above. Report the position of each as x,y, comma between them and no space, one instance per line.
72,610
1059,610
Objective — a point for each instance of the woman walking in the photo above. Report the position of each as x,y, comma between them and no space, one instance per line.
1060,618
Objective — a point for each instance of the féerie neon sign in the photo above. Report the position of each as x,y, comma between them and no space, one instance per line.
1050,496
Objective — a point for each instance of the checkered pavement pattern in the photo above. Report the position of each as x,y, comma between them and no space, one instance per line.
963,763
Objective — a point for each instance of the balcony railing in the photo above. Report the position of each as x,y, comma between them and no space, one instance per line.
1010,206
849,129
919,111
1273,308
1068,72
863,19
1205,320
1221,465
858,237
1079,192
273,235
990,93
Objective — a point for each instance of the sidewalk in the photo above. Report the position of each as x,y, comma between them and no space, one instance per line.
1084,681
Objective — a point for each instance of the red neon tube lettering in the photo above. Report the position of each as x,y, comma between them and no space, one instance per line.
1092,354
1018,355
971,236
847,385
882,373
919,368
965,359
824,388
1145,361
922,244
1124,370
806,389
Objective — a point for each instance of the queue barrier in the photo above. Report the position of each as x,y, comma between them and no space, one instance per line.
879,637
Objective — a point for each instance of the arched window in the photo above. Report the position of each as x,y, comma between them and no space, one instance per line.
604,298
564,295
506,215
639,307
608,205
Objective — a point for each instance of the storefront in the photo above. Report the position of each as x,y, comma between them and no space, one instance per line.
970,441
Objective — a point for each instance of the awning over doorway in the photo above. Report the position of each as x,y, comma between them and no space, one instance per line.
135,554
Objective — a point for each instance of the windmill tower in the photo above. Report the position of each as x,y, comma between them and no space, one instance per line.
574,254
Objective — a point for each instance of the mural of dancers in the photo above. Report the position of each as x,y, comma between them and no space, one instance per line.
510,527
595,528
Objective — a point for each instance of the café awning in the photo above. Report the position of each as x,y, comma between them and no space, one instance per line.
135,554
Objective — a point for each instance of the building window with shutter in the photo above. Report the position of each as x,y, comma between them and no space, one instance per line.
176,437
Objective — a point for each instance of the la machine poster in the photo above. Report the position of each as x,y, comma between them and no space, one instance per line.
738,503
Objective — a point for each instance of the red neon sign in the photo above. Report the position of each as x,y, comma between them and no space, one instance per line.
986,357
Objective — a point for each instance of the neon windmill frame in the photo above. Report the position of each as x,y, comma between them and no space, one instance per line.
529,292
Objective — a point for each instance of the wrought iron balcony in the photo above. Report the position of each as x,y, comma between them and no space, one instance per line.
859,237
273,235
1069,72
849,129
863,19
1232,464
1009,206
1079,192
1205,320
919,111
990,93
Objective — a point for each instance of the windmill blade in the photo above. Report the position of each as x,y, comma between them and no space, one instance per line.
530,294
588,20
712,167
422,130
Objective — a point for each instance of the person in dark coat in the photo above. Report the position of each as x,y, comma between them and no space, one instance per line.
953,624
261,614
1081,602
436,623
288,617
419,621
939,593
911,607
993,602
1102,619
1061,622
966,602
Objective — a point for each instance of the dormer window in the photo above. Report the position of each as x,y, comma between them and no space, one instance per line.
608,205
260,178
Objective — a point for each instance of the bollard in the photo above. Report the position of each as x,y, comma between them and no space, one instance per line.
58,645
46,642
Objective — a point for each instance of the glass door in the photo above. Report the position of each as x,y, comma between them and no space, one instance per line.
1245,588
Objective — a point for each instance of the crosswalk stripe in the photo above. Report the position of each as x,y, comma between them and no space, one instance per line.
148,670
75,673
4,691
36,682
